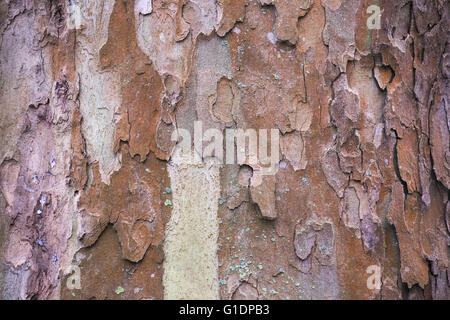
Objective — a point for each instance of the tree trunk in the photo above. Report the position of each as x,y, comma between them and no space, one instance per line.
120,177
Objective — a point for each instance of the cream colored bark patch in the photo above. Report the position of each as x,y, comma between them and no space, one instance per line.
190,267
99,90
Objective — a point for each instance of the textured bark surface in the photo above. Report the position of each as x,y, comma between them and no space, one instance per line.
89,178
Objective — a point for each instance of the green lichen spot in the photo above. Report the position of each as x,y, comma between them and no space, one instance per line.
119,290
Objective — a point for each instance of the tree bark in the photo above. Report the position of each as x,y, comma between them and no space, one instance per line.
98,201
